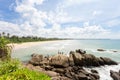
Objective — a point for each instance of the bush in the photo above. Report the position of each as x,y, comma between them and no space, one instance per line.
5,51
12,70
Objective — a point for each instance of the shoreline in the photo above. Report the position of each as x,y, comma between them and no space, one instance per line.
29,44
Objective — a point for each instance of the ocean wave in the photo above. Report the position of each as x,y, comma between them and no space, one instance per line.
104,71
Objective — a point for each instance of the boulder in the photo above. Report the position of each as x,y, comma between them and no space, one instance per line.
108,61
115,75
70,58
36,59
115,51
90,60
80,51
101,50
77,58
60,78
51,73
94,71
59,70
59,60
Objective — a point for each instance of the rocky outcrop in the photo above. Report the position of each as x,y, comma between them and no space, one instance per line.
78,58
108,61
80,51
62,67
59,60
101,50
38,60
82,59
115,75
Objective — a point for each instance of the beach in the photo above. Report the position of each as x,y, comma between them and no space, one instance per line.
24,51
17,46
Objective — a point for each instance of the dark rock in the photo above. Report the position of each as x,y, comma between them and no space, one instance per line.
100,61
115,51
70,58
60,78
96,76
51,73
77,58
59,61
80,51
59,70
84,72
90,60
108,61
48,67
101,50
67,74
62,67
94,71
33,54
82,76
115,75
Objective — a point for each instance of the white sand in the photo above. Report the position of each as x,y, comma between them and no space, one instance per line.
29,44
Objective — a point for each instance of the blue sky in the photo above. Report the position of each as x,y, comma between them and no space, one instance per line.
61,18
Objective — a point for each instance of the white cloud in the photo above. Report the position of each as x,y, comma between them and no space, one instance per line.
88,31
96,13
34,20
68,3
114,22
9,27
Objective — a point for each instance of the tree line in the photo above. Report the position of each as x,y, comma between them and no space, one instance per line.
20,39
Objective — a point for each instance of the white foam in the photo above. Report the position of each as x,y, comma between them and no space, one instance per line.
104,71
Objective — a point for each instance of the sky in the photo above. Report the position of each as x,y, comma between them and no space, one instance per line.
61,18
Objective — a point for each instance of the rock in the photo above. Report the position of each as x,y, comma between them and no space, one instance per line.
36,59
77,58
36,68
115,75
70,58
90,60
80,51
96,76
59,70
33,54
101,50
108,61
82,76
60,78
48,67
100,61
94,71
115,51
59,60
51,73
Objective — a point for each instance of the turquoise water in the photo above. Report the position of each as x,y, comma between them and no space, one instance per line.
66,46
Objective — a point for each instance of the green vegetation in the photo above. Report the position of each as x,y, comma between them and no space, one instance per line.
13,70
5,51
18,39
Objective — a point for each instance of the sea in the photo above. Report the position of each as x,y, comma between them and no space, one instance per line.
111,47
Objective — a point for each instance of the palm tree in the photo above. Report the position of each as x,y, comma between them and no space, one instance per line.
3,33
8,35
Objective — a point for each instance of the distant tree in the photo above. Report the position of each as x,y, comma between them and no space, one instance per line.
8,35
3,33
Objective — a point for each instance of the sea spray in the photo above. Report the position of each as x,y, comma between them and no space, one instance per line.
104,71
